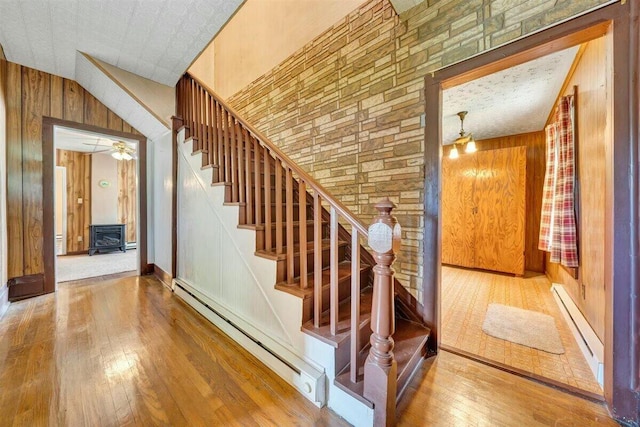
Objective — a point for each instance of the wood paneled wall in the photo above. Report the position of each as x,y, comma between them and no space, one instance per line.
78,169
127,197
32,95
534,259
3,187
593,78
483,210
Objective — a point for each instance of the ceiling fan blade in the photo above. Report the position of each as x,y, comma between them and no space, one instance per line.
97,144
96,152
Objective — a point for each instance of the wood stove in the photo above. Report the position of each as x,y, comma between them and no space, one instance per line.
107,237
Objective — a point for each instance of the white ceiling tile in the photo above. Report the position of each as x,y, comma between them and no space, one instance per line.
137,36
509,102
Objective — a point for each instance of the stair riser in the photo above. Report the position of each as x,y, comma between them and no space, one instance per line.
281,267
343,351
344,292
296,234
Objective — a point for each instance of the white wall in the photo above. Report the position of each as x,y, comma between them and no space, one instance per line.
158,98
104,200
160,174
278,28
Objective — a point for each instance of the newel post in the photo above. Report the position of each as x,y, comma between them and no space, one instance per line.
380,369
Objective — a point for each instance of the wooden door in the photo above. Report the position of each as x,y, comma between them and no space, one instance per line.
458,224
499,199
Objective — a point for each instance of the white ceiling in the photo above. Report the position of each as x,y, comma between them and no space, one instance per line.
509,102
155,39
85,142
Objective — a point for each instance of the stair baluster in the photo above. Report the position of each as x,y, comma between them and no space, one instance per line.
257,176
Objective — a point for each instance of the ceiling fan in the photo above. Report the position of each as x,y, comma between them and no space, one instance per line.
120,150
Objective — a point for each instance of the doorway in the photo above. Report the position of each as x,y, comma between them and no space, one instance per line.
96,188
621,377
105,173
493,270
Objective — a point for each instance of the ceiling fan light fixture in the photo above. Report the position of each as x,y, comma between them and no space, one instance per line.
465,139
117,155
126,156
471,146
453,153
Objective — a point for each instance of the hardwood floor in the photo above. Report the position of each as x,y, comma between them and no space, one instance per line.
466,295
451,390
126,351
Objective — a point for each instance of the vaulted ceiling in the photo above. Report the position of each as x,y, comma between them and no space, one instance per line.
155,39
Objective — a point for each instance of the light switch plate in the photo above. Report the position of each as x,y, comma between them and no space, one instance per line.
79,200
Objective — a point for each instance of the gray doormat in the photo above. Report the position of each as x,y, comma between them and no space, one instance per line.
526,327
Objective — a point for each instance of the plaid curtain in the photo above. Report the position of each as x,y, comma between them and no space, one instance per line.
558,234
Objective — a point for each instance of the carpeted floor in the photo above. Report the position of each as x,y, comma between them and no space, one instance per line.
76,267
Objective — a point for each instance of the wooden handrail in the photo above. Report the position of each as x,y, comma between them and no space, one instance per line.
288,163
244,162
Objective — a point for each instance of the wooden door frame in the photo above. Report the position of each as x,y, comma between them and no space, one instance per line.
64,207
48,167
622,268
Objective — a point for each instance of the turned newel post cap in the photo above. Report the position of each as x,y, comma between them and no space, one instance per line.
385,232
385,206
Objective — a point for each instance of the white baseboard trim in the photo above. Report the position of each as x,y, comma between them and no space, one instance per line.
4,299
308,380
589,343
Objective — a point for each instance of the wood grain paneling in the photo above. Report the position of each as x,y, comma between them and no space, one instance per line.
534,259
36,102
78,170
57,97
594,139
15,228
458,224
73,108
95,113
31,96
114,122
483,210
127,197
500,194
3,183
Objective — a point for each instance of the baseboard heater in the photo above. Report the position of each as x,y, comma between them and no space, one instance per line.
305,378
589,343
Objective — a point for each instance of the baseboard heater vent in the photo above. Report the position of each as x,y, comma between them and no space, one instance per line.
589,343
239,329
307,379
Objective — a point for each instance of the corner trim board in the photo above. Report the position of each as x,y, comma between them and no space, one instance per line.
4,300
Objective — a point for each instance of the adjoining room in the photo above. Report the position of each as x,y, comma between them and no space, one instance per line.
523,207
95,205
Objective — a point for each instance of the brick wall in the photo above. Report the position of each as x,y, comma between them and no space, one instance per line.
347,106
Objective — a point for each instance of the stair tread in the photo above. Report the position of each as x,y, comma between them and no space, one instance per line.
271,253
344,272
410,339
323,332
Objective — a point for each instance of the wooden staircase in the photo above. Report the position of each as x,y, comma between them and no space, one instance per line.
314,240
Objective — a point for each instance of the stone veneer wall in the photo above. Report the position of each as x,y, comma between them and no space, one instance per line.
347,107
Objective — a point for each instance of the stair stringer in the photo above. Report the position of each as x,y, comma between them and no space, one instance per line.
217,269
295,346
